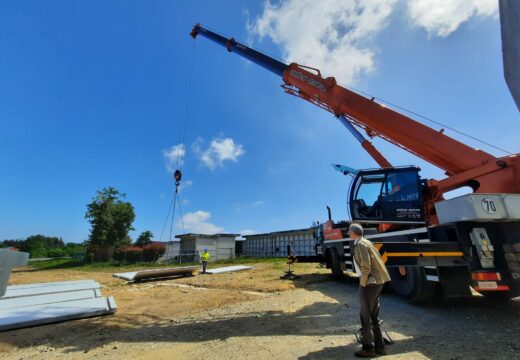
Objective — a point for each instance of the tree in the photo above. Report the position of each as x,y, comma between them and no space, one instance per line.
144,238
111,219
37,245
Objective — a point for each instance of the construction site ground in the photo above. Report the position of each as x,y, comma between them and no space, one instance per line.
255,315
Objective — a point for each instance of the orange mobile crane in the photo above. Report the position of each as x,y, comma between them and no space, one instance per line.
426,241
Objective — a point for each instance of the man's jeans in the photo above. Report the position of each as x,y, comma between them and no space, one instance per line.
204,266
369,313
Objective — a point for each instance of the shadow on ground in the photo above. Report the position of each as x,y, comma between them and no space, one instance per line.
436,331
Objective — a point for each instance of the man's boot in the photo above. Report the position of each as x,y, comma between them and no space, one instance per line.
365,352
379,340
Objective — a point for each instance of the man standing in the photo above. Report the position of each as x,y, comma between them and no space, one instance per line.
373,277
205,258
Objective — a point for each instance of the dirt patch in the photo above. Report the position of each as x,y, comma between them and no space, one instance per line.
254,315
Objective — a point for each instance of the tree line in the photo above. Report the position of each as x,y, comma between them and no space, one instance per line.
111,218
41,246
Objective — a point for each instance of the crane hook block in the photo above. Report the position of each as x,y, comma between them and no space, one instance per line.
177,176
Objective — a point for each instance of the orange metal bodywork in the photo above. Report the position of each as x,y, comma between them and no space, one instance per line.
464,165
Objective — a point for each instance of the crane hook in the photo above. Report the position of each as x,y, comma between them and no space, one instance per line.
177,176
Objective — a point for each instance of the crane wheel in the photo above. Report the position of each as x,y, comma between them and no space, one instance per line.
410,282
337,271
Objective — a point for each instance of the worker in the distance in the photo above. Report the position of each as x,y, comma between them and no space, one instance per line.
373,277
205,258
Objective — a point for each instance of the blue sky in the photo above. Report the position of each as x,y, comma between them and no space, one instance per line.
92,94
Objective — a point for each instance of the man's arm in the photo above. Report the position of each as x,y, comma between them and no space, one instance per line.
364,263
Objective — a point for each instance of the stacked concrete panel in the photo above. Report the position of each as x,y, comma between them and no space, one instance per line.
157,273
45,303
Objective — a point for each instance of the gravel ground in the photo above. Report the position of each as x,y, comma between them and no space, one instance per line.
215,317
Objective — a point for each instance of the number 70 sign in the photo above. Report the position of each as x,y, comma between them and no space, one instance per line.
489,206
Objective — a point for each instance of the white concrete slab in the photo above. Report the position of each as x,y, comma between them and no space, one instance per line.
51,313
26,301
8,260
156,273
56,283
11,259
41,290
228,269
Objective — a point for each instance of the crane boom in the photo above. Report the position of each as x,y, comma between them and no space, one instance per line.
466,240
463,164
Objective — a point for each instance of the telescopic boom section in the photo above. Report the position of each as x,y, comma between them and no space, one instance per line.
454,157
231,45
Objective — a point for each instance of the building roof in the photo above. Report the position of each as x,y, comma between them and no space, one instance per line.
214,236
284,232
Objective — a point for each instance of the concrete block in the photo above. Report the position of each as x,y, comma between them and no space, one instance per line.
228,269
50,313
52,289
44,299
157,273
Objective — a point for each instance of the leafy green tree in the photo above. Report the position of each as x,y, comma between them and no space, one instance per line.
111,219
37,245
144,239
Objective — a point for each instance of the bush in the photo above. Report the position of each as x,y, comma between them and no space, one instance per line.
129,254
132,254
153,251
56,253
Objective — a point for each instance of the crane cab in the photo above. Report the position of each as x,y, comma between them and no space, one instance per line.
389,195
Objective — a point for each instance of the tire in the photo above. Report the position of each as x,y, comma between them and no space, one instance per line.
410,282
337,271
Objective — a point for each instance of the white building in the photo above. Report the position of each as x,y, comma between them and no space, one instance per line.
220,246
173,250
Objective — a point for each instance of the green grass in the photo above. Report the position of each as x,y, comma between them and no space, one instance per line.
108,266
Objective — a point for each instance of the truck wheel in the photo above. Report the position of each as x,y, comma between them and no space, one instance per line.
337,271
410,282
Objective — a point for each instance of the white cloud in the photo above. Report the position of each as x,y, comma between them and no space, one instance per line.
174,156
258,203
336,36
198,222
218,151
332,35
247,232
442,17
185,184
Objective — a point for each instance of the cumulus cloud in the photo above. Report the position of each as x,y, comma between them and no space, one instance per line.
174,156
198,222
219,151
442,17
332,35
337,36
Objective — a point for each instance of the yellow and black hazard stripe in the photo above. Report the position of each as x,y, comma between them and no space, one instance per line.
422,254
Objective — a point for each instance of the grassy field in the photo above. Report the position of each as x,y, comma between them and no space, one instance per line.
117,266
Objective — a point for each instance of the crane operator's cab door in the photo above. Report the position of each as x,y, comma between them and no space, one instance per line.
387,196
